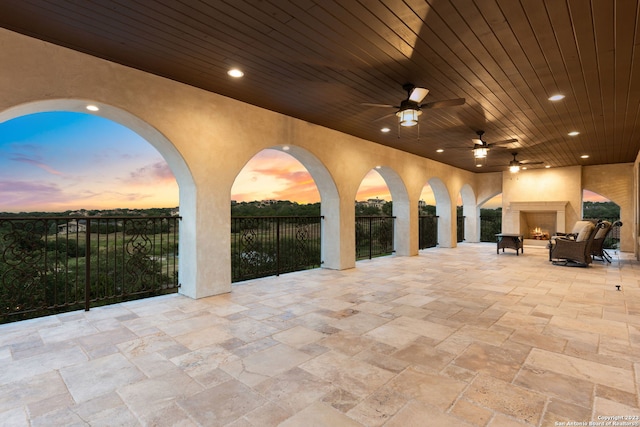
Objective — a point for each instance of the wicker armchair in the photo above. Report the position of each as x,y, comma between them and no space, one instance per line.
597,247
574,250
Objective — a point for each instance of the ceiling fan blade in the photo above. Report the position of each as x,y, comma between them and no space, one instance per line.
446,103
507,143
526,163
383,117
418,94
477,141
368,104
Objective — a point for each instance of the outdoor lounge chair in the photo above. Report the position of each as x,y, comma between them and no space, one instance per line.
574,249
597,247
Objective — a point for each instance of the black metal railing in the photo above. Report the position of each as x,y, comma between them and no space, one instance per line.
428,231
490,225
269,246
613,239
374,236
460,228
56,264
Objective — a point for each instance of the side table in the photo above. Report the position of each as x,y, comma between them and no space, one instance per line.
511,241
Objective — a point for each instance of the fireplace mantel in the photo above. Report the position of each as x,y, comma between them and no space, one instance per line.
559,207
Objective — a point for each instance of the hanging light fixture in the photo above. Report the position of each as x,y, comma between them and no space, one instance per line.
408,116
514,165
480,152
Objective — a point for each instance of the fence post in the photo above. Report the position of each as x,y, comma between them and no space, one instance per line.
87,266
370,237
277,246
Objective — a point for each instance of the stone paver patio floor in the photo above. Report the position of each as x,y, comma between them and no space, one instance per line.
452,337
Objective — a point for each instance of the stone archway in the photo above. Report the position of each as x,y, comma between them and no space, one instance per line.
188,261
404,234
329,203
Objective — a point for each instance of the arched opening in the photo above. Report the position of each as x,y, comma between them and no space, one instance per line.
275,217
107,159
374,217
427,219
386,229
491,218
597,206
67,161
293,172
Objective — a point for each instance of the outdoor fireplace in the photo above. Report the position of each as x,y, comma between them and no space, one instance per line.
538,225
536,221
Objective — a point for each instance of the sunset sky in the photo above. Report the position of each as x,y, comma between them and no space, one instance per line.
61,161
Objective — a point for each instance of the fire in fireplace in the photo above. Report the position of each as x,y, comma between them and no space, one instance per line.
538,234
537,225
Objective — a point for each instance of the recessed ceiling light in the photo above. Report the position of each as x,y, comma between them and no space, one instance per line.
573,133
584,156
547,166
556,97
524,168
385,130
234,72
479,165
439,150
92,107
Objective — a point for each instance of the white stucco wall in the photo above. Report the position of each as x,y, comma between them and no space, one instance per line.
615,182
207,139
542,185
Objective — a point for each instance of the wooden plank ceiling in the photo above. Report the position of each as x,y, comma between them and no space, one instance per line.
319,60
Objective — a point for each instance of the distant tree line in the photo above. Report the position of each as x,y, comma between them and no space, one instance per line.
274,208
94,212
600,210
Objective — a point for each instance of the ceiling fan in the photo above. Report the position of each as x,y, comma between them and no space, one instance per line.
411,108
481,147
515,164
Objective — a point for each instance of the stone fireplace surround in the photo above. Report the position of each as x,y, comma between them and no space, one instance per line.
544,212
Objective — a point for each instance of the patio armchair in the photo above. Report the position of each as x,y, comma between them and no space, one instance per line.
574,249
597,247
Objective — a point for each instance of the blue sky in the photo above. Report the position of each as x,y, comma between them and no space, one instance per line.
59,161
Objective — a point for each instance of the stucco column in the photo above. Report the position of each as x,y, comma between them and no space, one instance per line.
471,223
338,233
205,243
406,228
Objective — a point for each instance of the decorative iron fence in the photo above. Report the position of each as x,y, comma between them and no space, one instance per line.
268,246
374,236
428,231
56,264
460,228
613,239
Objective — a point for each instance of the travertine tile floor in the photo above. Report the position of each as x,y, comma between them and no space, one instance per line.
452,337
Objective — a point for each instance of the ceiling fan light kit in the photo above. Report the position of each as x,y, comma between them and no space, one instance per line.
480,152
408,117
515,165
